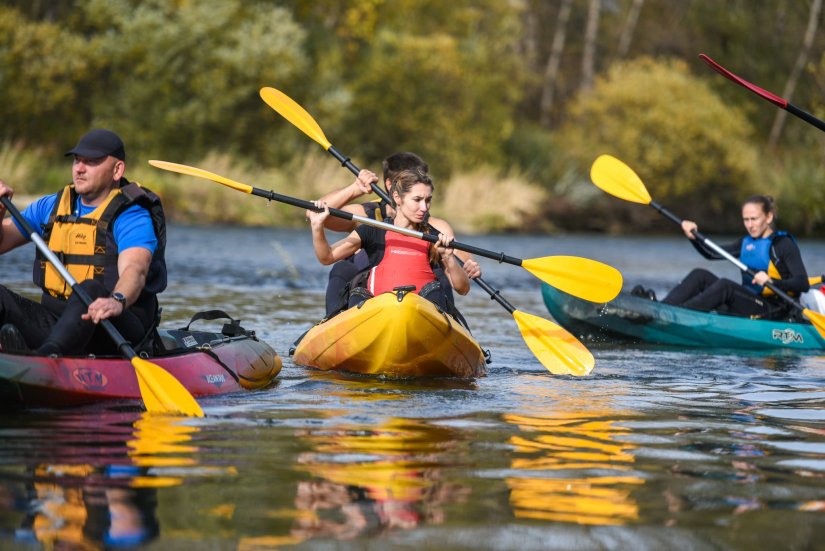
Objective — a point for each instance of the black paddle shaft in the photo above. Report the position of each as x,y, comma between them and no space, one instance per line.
121,343
710,244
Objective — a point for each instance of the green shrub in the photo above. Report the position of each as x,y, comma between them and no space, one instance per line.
691,150
797,181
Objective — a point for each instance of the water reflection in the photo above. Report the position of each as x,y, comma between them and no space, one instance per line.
574,464
105,498
68,507
368,480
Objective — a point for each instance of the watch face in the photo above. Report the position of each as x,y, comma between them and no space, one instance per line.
120,297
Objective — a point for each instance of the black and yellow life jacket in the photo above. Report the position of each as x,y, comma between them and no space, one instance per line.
86,244
377,211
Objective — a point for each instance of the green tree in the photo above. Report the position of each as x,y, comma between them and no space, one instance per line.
45,80
689,147
184,77
440,79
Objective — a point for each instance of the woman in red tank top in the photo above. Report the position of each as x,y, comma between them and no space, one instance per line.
404,260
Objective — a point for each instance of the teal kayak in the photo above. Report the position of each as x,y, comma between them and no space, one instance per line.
640,319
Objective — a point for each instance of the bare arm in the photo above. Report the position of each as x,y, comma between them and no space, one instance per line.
340,199
471,267
329,254
458,278
133,267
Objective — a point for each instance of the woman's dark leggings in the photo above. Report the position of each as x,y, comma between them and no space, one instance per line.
55,327
701,290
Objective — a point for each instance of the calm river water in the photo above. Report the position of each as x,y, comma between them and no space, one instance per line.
657,448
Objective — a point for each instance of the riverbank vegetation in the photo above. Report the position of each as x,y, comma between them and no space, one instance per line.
509,102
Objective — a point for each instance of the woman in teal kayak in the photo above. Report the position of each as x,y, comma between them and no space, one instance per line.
773,255
395,259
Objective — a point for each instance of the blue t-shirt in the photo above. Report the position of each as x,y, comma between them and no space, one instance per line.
133,228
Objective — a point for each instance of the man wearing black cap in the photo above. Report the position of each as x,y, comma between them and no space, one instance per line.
111,235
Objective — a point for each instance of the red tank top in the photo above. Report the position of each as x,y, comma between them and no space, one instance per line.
405,262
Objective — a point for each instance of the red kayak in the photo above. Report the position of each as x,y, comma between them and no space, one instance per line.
207,364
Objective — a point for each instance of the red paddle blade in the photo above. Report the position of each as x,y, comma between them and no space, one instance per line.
773,98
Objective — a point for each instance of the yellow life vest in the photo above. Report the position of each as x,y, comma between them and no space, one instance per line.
80,242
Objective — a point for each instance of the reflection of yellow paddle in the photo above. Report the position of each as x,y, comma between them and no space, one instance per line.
616,178
559,351
160,391
163,444
569,441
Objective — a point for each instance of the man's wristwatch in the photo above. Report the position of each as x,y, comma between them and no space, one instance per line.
121,298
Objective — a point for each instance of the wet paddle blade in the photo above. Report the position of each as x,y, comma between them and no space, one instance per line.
162,392
616,178
580,277
557,350
200,173
295,114
817,319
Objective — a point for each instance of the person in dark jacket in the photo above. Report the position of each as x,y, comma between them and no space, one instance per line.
773,255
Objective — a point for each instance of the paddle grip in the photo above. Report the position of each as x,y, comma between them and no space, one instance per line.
121,343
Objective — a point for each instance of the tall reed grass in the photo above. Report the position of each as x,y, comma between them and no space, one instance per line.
474,202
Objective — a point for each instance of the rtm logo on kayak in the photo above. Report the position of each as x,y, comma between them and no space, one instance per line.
787,336
89,378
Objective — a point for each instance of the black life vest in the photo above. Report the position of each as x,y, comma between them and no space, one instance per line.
377,211
93,255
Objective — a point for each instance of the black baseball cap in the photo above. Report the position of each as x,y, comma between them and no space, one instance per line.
99,143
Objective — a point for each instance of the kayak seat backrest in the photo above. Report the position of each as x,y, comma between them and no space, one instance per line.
231,329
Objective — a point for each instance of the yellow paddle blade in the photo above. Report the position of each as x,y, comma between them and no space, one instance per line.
557,350
817,319
161,392
616,178
295,114
200,173
580,277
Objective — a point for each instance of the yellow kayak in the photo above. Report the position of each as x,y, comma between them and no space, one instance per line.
395,334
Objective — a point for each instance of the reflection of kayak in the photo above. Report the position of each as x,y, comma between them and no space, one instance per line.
205,363
396,334
633,317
